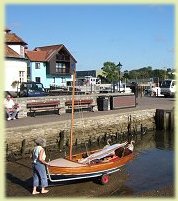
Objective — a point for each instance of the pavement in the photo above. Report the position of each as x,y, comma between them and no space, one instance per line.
142,103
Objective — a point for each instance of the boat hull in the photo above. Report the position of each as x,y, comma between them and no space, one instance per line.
107,166
68,177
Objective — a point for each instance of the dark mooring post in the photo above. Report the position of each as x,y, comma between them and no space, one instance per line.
76,142
164,119
61,140
172,119
89,142
129,129
99,140
23,148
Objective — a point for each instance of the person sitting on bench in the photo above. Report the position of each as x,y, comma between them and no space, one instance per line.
11,108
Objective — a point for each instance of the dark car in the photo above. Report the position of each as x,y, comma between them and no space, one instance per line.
32,89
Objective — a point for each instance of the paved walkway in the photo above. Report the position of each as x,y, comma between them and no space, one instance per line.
143,103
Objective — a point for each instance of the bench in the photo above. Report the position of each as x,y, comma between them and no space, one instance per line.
44,106
81,104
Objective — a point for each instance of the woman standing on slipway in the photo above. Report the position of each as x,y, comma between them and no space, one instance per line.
39,166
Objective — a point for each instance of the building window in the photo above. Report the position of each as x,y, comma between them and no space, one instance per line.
21,76
37,65
37,79
60,68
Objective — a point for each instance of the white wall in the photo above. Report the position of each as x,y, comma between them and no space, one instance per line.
11,71
18,48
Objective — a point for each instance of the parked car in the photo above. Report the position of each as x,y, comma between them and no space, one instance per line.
32,89
168,87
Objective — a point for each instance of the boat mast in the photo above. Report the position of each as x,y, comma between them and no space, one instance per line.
72,118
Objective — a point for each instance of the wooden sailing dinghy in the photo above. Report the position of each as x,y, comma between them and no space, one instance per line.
98,163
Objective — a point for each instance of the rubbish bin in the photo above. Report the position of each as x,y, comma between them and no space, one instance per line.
102,103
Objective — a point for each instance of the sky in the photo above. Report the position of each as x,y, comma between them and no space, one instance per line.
135,35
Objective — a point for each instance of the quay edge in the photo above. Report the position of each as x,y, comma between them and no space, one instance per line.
85,129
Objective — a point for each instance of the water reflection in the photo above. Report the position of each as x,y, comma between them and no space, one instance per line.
164,140
153,166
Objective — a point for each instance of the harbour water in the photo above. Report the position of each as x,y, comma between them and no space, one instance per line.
153,167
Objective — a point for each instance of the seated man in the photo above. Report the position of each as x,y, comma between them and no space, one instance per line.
12,108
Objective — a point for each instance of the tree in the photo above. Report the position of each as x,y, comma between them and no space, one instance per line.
111,72
133,74
126,75
159,73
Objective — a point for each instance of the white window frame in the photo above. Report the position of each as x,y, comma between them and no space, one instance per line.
37,65
21,76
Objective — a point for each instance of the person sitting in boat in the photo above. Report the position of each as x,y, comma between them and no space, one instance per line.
39,166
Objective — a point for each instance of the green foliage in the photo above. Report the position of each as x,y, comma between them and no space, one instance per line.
111,71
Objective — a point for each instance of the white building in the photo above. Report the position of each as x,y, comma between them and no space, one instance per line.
89,80
15,62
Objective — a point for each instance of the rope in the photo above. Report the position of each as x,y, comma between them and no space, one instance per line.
81,117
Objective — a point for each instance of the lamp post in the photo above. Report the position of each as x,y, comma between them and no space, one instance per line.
119,65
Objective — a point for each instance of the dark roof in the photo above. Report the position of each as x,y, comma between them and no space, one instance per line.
50,50
36,55
45,53
49,47
12,38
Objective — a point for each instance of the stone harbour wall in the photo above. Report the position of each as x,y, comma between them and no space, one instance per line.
21,139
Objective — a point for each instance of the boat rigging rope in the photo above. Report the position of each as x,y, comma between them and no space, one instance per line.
82,120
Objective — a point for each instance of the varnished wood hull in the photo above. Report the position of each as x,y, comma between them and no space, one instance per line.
57,173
